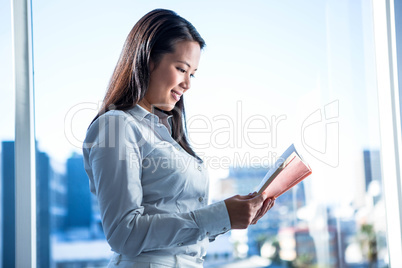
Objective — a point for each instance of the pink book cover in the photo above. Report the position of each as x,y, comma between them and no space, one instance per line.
290,170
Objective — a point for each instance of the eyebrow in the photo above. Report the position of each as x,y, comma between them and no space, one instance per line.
186,63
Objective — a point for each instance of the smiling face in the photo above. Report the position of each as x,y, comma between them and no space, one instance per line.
170,78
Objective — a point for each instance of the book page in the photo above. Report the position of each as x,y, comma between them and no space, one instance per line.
275,170
288,170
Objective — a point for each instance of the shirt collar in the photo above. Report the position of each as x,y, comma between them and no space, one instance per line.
162,116
140,113
164,119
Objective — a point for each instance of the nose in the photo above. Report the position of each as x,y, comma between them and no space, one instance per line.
186,83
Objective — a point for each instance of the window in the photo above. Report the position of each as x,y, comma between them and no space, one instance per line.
7,102
273,73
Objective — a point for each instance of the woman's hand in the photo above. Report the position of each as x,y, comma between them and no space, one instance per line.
268,204
247,209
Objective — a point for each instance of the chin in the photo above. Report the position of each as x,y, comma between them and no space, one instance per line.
166,107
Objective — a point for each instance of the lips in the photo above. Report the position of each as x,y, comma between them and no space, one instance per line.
176,95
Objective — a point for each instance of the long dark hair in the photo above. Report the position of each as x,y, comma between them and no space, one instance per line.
154,35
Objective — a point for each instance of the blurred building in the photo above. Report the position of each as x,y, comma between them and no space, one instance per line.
83,217
372,166
81,242
297,246
43,172
372,173
58,204
78,195
43,228
8,204
66,212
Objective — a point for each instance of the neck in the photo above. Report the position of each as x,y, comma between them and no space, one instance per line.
144,104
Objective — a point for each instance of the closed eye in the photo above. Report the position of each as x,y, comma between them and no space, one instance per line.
181,70
184,71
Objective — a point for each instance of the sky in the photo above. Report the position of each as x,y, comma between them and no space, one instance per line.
273,73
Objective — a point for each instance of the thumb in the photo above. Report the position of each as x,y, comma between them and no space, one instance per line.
260,197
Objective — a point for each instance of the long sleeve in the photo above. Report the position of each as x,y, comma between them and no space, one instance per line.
134,218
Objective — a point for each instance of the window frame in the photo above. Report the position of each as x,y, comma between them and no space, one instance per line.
25,179
390,123
386,39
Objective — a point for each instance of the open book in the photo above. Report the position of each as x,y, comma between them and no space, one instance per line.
289,170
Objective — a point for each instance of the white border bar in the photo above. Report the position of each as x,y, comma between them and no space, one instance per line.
25,186
390,124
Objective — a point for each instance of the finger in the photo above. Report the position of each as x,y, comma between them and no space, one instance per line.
245,197
264,209
257,216
261,211
249,196
265,206
272,204
258,203
260,198
261,203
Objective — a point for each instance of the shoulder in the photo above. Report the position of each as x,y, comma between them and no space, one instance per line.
113,124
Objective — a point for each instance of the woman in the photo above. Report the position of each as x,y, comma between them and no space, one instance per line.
151,187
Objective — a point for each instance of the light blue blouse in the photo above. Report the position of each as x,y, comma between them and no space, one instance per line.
152,194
